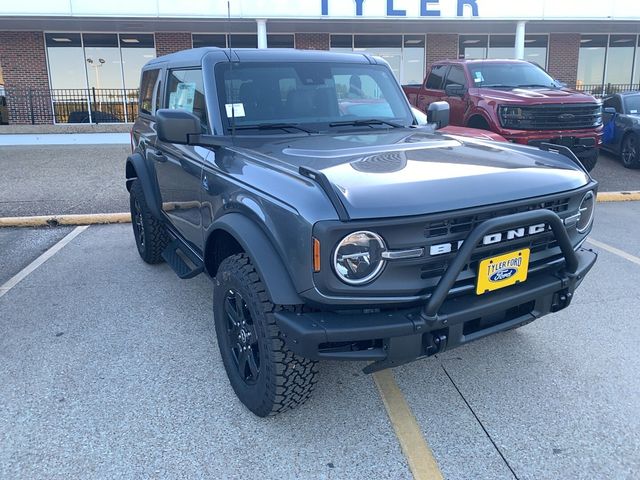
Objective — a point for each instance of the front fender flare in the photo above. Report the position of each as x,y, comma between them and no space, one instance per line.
146,178
263,255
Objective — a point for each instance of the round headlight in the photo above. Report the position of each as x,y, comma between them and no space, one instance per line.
587,207
358,257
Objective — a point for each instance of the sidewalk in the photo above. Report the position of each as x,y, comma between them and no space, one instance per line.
64,139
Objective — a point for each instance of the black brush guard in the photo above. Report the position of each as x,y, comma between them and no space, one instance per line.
400,336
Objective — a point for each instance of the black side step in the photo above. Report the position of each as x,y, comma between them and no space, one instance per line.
175,256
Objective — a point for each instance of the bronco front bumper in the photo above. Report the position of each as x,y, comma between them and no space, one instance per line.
391,338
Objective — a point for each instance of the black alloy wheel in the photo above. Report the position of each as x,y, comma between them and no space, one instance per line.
631,151
242,336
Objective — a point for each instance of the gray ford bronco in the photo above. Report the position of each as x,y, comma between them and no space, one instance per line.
335,224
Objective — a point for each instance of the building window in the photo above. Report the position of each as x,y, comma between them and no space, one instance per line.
620,59
503,46
473,46
636,71
94,76
404,53
593,49
241,40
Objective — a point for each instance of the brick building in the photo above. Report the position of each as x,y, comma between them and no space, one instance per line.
61,60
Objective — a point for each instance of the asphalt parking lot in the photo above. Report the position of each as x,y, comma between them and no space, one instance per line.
109,368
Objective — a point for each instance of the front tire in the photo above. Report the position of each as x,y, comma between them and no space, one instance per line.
630,152
150,234
267,377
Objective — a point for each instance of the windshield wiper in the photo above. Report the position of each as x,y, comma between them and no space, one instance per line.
534,85
365,122
273,126
495,85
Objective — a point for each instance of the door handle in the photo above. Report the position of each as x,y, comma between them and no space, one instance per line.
157,156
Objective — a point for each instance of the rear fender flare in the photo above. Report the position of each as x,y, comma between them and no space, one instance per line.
137,169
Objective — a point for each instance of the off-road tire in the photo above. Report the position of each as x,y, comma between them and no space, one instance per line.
284,379
630,159
154,238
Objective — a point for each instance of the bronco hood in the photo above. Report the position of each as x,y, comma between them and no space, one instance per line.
404,172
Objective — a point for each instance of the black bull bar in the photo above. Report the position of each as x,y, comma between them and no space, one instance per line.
446,283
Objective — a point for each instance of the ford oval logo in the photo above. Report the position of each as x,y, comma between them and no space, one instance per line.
567,117
503,274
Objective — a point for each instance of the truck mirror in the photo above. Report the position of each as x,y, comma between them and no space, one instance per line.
175,126
455,90
438,113
610,110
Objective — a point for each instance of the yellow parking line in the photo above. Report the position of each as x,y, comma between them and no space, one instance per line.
44,220
414,447
618,196
615,251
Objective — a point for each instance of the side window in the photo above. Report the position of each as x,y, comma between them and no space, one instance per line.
434,81
456,76
185,90
147,83
613,102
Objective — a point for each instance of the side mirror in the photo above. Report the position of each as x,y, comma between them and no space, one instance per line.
175,126
560,84
610,110
421,118
438,113
455,90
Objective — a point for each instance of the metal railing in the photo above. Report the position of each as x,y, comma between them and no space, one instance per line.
602,90
91,105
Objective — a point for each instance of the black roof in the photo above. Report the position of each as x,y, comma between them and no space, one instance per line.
195,56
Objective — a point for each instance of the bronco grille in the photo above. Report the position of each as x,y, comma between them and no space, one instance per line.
465,223
551,117
544,247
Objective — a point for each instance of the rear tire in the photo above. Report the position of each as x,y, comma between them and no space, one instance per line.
630,152
150,234
267,377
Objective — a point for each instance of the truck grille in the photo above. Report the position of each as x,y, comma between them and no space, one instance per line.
551,117
543,246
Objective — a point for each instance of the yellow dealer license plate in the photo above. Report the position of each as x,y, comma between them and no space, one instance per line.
502,271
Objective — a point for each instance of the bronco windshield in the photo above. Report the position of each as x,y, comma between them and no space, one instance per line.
304,97
510,75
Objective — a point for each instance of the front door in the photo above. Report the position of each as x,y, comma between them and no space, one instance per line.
179,167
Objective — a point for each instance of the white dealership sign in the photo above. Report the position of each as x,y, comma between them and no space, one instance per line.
333,9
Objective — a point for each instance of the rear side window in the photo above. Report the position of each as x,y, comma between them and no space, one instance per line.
434,81
456,77
148,82
185,91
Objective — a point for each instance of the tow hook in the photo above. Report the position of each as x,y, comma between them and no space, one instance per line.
561,300
438,344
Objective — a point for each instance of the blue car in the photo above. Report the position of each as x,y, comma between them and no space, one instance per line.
622,127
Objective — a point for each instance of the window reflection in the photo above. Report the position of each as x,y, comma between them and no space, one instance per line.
478,47
404,53
95,76
591,60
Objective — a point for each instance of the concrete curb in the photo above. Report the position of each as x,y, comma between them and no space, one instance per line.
105,218
618,196
55,220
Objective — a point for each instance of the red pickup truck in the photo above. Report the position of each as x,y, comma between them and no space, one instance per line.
515,99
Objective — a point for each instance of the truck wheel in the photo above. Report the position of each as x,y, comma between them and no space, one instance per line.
150,234
267,377
630,151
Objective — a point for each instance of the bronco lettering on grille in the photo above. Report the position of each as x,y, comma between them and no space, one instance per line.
490,239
